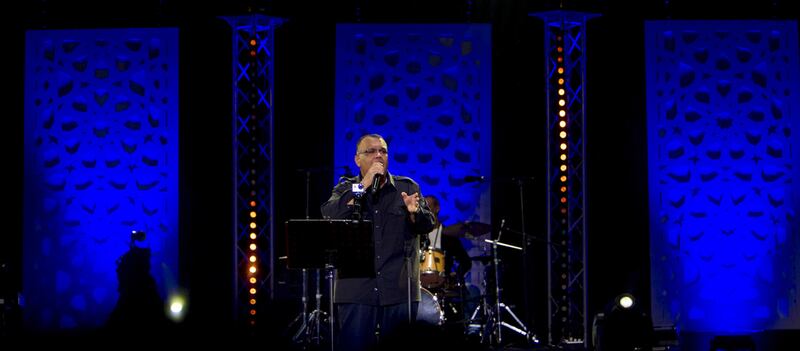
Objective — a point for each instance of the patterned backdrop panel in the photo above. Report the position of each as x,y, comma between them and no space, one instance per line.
723,115
101,160
426,88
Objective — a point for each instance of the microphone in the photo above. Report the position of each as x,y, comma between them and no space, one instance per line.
473,179
376,182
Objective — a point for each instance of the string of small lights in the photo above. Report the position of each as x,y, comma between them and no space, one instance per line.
253,37
565,33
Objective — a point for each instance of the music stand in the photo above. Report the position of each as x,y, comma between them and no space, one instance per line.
342,246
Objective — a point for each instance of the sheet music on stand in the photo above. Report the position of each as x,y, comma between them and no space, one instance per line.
343,243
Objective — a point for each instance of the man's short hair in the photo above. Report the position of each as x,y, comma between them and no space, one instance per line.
376,136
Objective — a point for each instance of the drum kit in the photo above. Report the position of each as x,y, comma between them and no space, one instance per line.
442,292
446,301
444,296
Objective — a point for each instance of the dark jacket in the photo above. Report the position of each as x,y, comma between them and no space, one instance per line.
454,252
395,238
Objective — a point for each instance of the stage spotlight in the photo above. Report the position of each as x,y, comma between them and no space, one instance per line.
177,307
622,326
625,301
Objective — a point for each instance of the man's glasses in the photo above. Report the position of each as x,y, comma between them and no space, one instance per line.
372,152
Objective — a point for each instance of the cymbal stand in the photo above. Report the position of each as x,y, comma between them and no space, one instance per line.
317,315
494,314
303,316
310,331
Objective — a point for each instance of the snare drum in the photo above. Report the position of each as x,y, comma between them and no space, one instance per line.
432,269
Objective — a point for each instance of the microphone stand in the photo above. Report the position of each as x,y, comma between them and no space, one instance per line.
409,247
305,325
521,183
409,266
310,328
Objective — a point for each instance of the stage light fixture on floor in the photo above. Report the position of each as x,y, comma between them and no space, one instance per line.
733,343
625,301
665,338
622,326
177,307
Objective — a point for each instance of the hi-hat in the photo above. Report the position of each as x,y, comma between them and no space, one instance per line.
465,229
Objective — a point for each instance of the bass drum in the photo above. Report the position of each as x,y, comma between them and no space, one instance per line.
429,311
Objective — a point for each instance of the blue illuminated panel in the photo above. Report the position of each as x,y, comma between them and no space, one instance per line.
101,159
427,90
723,113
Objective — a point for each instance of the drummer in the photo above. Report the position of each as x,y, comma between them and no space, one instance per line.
452,247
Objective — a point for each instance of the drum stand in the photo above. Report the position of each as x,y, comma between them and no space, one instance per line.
493,327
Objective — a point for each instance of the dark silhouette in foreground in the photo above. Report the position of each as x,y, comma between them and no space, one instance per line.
139,306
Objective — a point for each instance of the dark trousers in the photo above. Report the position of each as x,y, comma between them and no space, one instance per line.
362,326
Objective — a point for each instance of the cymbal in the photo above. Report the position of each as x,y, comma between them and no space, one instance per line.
466,229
